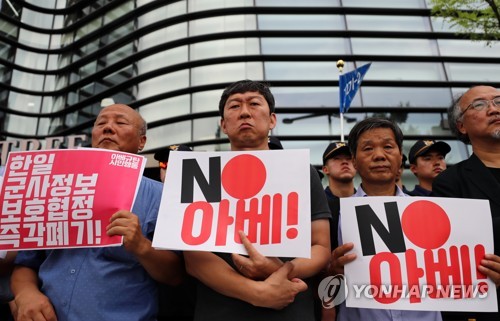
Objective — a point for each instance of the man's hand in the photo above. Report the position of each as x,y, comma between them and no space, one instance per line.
127,224
278,291
490,266
31,304
255,266
340,258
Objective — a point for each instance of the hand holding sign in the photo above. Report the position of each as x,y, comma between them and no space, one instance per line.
256,266
341,258
127,224
490,266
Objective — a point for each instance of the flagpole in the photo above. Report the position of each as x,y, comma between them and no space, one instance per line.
340,67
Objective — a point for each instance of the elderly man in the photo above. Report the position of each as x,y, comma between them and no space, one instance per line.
257,287
475,119
115,283
375,145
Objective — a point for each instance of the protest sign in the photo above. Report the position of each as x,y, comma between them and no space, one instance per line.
209,197
418,253
65,198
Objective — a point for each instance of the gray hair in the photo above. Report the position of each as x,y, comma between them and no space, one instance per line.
455,116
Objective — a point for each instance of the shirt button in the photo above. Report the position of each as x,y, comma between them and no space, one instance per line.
72,271
64,303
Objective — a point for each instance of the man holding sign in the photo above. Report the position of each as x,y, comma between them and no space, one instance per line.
376,147
258,287
115,283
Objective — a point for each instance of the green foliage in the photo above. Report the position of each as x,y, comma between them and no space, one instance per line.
477,19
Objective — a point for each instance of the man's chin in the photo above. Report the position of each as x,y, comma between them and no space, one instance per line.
108,145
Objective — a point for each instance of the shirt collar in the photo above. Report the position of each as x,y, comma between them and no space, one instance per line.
361,193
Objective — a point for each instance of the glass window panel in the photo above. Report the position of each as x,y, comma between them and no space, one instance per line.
467,48
226,73
389,23
163,59
206,101
306,96
27,81
34,39
298,70
88,28
385,3
163,83
441,25
206,128
5,51
8,29
120,54
166,108
401,47
118,12
222,24
297,3
21,124
169,134
473,72
38,19
405,71
402,96
201,5
301,22
305,46
224,48
163,35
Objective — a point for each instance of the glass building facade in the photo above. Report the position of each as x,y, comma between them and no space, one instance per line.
171,59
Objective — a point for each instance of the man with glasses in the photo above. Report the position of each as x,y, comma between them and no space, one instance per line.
475,119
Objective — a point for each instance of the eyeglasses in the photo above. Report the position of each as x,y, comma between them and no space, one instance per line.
482,104
163,165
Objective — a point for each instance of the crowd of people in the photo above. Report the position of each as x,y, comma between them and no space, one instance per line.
138,282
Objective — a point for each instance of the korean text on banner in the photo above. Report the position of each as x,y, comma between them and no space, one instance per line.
349,84
208,197
418,253
64,198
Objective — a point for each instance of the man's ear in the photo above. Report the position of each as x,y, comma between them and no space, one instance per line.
325,170
273,120
461,128
223,125
142,142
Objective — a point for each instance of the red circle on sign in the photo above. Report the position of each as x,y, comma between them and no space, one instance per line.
426,224
243,176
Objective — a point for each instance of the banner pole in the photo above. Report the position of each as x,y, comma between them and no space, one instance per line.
340,67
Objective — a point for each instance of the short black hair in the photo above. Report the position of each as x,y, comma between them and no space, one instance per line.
372,123
243,86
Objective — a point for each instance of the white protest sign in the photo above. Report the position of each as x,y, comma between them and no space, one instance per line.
209,197
418,253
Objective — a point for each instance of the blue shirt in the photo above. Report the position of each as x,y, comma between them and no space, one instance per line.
101,283
356,314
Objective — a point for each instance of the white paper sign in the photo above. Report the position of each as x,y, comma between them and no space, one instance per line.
418,253
209,196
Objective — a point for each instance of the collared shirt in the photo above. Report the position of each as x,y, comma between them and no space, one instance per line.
101,283
356,314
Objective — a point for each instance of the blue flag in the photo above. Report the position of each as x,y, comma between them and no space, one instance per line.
349,84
